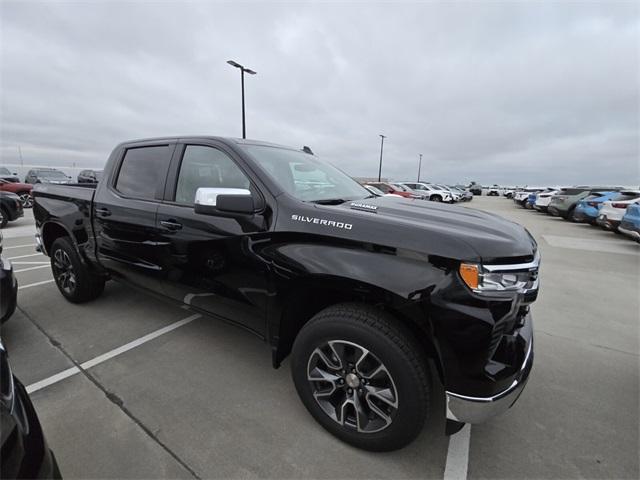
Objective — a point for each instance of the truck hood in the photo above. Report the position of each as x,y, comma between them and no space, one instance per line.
438,229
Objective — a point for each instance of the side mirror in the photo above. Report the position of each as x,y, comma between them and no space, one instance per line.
217,201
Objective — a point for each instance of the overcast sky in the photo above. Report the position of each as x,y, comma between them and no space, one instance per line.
496,92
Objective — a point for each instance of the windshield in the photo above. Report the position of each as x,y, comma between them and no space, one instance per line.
53,174
305,176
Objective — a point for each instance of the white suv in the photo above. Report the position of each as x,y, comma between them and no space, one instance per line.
544,199
432,192
612,211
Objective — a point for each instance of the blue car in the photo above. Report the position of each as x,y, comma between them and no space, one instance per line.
531,200
630,224
586,210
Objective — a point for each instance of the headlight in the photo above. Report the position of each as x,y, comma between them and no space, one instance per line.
498,279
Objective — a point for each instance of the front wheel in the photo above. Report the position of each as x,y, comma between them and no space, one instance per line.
436,198
4,218
75,281
362,376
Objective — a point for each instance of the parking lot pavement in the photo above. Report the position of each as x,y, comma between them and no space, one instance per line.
578,416
199,398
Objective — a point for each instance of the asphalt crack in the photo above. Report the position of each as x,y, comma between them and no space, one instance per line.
112,397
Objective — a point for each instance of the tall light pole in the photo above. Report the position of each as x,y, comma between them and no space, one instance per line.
250,72
419,167
382,137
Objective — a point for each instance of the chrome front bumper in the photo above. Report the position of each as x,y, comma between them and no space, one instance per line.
462,408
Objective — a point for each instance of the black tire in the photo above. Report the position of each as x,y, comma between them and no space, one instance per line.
4,218
571,215
75,281
402,373
436,198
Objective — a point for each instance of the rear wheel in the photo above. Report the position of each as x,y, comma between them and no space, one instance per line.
362,376
75,281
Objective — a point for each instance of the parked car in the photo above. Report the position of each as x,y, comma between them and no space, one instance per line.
8,289
630,223
23,190
521,197
25,453
587,210
412,193
429,191
389,188
508,192
379,193
454,194
464,195
475,189
360,291
89,176
612,211
494,191
565,201
543,199
46,175
5,174
10,208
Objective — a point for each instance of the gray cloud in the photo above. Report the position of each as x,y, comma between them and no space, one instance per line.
494,92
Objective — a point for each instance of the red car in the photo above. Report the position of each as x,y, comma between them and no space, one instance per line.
23,190
390,188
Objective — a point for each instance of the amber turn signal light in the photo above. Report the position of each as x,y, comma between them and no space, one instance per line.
470,275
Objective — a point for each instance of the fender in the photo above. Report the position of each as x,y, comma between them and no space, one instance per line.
79,239
300,269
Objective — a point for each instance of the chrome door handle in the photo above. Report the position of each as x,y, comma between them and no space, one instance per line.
171,225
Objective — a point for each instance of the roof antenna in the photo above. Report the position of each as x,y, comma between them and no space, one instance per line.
306,149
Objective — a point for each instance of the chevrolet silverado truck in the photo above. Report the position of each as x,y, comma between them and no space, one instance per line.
376,299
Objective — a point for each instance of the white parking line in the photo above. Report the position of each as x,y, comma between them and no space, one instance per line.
19,246
31,268
22,287
25,256
458,455
34,387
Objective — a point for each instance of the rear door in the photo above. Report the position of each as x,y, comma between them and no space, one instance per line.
209,261
124,214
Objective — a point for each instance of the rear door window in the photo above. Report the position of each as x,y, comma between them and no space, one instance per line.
143,171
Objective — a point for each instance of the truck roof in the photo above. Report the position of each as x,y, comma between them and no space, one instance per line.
239,141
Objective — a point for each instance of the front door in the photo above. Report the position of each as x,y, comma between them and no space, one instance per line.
209,261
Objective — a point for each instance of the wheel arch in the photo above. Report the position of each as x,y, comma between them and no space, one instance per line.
51,231
315,293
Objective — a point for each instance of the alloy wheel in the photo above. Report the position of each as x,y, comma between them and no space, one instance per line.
26,200
352,386
63,271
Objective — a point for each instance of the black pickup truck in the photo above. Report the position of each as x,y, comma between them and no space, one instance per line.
375,298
